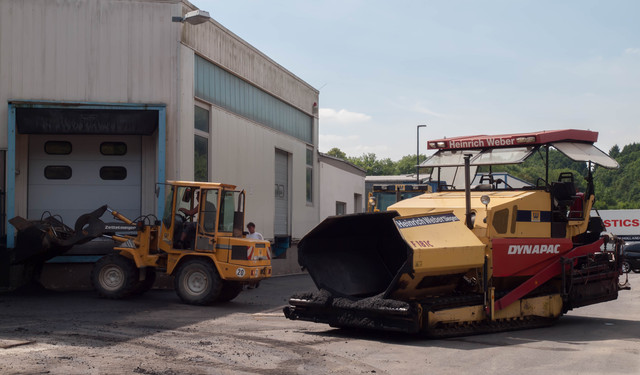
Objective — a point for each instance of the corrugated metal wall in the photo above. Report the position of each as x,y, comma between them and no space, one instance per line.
129,51
88,51
95,51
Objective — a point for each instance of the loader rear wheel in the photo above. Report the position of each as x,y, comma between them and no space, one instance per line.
197,282
114,276
230,290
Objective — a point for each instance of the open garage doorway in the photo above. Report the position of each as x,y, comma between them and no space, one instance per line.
79,157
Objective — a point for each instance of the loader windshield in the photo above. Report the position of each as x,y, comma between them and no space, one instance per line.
208,213
168,207
227,210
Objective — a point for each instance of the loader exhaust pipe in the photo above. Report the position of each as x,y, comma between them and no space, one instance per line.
467,190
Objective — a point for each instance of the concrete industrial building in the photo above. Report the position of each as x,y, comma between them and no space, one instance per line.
342,188
104,100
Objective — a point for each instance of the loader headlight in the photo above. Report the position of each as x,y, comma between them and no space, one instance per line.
485,200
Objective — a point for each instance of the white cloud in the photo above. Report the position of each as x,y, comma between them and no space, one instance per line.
421,109
333,138
352,145
410,104
342,116
632,51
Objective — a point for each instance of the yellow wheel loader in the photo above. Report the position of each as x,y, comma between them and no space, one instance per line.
199,240
469,259
209,258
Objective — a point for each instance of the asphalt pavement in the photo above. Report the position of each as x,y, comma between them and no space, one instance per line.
78,333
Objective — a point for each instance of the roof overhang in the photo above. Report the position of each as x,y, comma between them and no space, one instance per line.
576,151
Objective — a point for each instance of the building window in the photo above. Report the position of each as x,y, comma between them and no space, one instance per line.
113,173
57,172
341,208
309,175
113,148
201,144
57,147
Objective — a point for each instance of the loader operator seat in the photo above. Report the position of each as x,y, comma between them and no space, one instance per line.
576,206
563,192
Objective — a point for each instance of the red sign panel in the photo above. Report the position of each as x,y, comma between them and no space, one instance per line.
526,256
513,140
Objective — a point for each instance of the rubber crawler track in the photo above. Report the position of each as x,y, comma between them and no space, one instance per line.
445,330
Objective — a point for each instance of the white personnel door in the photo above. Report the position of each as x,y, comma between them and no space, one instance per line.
281,217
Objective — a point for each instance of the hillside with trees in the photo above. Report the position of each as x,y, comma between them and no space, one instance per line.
615,188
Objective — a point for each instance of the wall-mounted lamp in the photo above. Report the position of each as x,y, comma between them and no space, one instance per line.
195,17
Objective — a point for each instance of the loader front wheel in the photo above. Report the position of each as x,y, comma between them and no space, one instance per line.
114,276
197,282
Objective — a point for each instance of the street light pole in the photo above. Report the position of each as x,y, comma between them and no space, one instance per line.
418,151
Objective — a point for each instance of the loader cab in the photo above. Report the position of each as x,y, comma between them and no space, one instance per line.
196,213
175,220
229,219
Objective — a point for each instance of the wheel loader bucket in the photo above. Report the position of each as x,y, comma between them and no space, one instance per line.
41,240
354,255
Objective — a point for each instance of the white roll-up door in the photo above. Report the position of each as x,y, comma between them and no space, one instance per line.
70,175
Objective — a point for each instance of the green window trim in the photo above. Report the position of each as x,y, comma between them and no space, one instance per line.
226,90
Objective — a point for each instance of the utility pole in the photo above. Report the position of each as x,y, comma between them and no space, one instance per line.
418,151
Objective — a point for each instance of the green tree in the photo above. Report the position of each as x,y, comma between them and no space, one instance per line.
374,167
337,153
407,164
615,151
619,188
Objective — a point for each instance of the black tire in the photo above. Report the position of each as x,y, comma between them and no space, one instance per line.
197,282
230,290
626,267
146,284
636,271
114,276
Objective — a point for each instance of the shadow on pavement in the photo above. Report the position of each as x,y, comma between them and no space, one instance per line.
68,317
572,330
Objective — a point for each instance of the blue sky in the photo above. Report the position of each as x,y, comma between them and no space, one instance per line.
461,67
